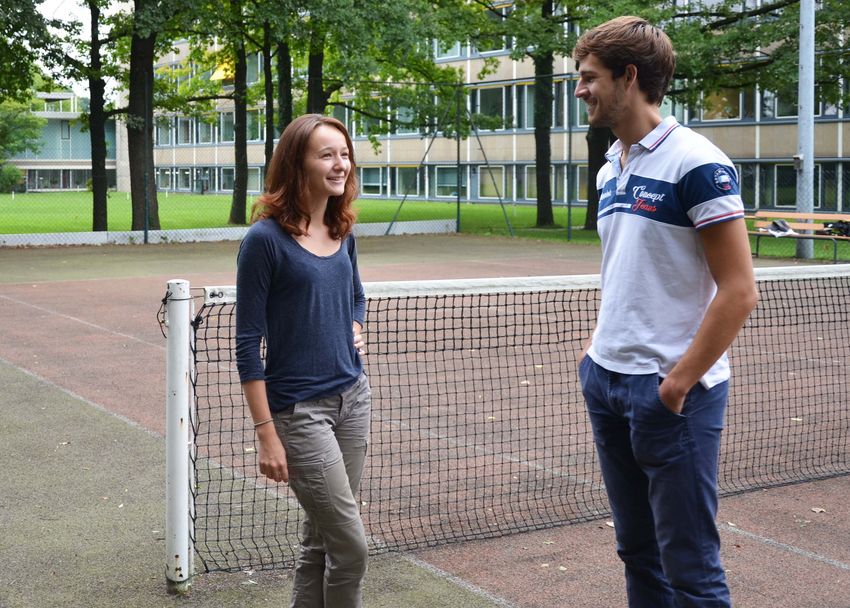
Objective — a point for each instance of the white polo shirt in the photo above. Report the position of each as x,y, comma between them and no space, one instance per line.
656,285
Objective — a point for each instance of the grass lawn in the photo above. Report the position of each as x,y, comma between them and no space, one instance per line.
71,212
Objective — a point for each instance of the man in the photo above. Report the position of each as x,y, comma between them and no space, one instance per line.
677,285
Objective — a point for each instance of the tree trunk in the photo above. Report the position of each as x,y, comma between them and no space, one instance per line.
316,98
238,205
140,130
97,126
599,139
543,66
268,88
284,86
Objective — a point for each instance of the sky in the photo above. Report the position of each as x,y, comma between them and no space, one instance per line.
68,10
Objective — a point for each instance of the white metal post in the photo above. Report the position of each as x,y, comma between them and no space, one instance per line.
178,564
805,160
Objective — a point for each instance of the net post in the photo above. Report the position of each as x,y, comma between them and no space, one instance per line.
178,563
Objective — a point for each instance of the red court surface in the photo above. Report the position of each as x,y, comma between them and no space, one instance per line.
84,319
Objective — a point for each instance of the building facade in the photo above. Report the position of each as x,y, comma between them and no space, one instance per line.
755,128
63,158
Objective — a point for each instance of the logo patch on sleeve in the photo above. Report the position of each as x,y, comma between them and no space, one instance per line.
722,179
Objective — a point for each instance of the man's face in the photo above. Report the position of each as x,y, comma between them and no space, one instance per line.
603,94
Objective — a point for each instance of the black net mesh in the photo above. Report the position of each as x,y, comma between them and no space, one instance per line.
479,427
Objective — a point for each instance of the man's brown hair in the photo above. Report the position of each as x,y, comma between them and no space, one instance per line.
285,198
632,41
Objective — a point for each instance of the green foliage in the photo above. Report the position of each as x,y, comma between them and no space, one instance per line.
20,130
10,178
22,33
719,44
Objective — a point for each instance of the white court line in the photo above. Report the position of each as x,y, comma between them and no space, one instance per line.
474,589
784,547
81,321
70,393
557,472
420,563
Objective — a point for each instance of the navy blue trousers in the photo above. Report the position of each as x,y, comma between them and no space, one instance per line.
660,472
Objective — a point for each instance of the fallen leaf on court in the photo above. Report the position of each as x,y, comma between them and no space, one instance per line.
544,565
610,524
491,417
548,542
249,582
734,525
121,506
248,572
65,443
562,568
818,510
525,382
539,366
797,419
250,450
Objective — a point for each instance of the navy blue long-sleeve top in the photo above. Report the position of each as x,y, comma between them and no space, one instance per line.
304,305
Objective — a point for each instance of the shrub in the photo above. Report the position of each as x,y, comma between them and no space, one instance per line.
10,178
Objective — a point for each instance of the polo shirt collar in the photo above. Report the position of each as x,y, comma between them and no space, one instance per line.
650,141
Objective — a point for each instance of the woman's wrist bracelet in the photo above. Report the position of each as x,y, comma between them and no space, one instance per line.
262,422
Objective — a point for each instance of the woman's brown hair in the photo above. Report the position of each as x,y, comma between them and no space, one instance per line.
632,41
285,198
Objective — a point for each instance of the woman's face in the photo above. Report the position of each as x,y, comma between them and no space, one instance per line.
326,163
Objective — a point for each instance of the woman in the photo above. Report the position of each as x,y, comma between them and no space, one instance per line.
298,287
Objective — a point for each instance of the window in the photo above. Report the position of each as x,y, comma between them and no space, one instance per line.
203,179
255,125
785,185
747,179
205,132
163,178
729,104
581,183
444,50
255,179
783,191
493,106
447,182
226,178
65,129
783,104
184,178
826,188
79,177
163,132
525,106
491,182
184,130
491,42
579,117
407,181
405,124
370,180
226,127
529,175
255,67
670,108
558,103
366,125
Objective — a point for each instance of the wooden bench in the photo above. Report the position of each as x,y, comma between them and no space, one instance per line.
804,225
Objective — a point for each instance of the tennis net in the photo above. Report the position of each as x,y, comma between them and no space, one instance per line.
479,428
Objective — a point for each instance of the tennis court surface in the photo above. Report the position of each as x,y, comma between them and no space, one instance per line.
82,408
